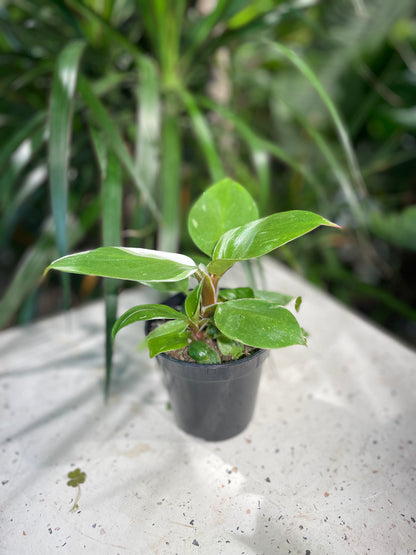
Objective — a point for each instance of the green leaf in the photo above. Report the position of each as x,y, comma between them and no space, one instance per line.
273,297
173,286
167,337
204,137
60,123
193,302
298,302
170,184
404,116
229,347
148,144
212,331
21,134
76,477
116,37
328,151
60,118
146,312
257,144
222,207
103,120
199,31
262,236
340,127
200,352
111,200
236,293
398,228
258,323
261,162
127,263
29,270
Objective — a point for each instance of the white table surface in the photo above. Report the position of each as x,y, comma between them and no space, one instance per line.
327,466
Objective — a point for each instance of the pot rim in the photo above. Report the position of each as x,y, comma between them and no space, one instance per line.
254,355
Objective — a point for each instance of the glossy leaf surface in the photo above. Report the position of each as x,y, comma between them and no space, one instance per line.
222,207
249,293
260,237
146,312
229,347
128,263
192,302
169,286
167,337
236,293
200,352
258,323
273,297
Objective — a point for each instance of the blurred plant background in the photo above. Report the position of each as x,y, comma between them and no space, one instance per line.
116,114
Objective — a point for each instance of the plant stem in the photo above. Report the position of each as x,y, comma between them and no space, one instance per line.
75,505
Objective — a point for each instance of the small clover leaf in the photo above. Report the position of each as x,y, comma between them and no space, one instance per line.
76,478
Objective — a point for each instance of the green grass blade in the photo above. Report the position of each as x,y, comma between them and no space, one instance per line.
204,137
103,120
169,230
338,123
60,120
111,197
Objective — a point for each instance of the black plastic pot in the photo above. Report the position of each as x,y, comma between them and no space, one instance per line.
211,401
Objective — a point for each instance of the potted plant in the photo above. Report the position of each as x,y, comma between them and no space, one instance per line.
211,342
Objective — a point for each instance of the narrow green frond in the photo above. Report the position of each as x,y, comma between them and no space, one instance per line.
30,269
257,143
60,124
204,137
340,127
111,197
170,183
103,120
147,147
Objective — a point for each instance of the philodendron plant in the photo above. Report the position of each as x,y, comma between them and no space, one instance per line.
224,224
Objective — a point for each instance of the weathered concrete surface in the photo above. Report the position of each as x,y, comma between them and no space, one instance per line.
327,466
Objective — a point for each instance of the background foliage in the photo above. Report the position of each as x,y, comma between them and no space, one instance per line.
116,114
